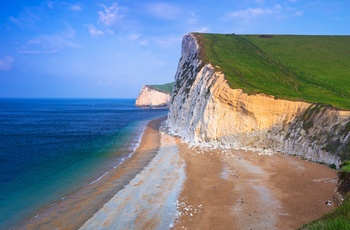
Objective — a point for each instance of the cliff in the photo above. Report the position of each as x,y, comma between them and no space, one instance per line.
154,95
206,111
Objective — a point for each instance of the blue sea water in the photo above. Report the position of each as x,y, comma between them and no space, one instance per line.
49,147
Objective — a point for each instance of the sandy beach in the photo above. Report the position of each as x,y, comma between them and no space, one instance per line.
221,189
185,187
232,189
149,201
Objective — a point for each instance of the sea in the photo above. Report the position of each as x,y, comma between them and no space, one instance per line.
51,147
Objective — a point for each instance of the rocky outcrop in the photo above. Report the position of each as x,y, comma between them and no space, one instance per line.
152,97
343,188
205,111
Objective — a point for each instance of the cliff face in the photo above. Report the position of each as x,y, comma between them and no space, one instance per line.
205,111
151,97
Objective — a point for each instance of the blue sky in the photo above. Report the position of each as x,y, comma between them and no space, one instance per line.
109,49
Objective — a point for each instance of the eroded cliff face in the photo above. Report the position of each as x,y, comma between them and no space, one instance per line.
151,97
205,111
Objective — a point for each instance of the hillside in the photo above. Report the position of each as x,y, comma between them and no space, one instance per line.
166,88
250,93
308,68
154,95
229,93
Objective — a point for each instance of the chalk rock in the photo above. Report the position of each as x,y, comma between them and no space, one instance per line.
205,111
152,97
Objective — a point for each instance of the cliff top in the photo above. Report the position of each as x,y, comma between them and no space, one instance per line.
166,88
296,67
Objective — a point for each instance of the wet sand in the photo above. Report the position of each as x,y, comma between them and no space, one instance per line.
192,188
82,204
149,201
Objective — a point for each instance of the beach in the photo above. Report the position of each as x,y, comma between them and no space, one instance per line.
167,184
80,205
222,189
149,201
235,189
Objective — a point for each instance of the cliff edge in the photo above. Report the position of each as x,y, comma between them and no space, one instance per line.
206,111
154,95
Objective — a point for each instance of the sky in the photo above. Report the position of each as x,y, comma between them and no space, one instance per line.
110,49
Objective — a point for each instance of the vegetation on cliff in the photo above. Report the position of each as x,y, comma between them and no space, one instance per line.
166,88
309,68
340,217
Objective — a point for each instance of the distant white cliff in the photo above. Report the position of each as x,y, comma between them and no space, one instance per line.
150,96
205,111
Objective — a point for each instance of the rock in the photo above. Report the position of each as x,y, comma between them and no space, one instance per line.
152,97
205,111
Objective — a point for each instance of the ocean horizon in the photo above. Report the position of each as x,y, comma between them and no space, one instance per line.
51,147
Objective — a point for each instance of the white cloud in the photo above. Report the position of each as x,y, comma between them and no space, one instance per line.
168,41
27,19
69,32
291,12
260,1
133,37
249,13
6,63
193,19
254,12
144,42
38,51
202,30
109,15
164,10
75,7
50,43
50,4
60,40
94,32
298,13
34,41
277,8
110,31
104,82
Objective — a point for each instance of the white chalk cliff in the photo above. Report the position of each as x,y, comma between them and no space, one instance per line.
152,97
205,111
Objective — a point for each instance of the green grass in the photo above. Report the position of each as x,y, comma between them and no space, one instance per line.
345,167
315,69
166,88
338,219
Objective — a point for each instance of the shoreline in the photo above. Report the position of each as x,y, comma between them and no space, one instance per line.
149,201
225,189
178,186
79,205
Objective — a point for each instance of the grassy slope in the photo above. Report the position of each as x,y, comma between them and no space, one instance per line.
166,88
310,68
340,217
346,167
325,60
